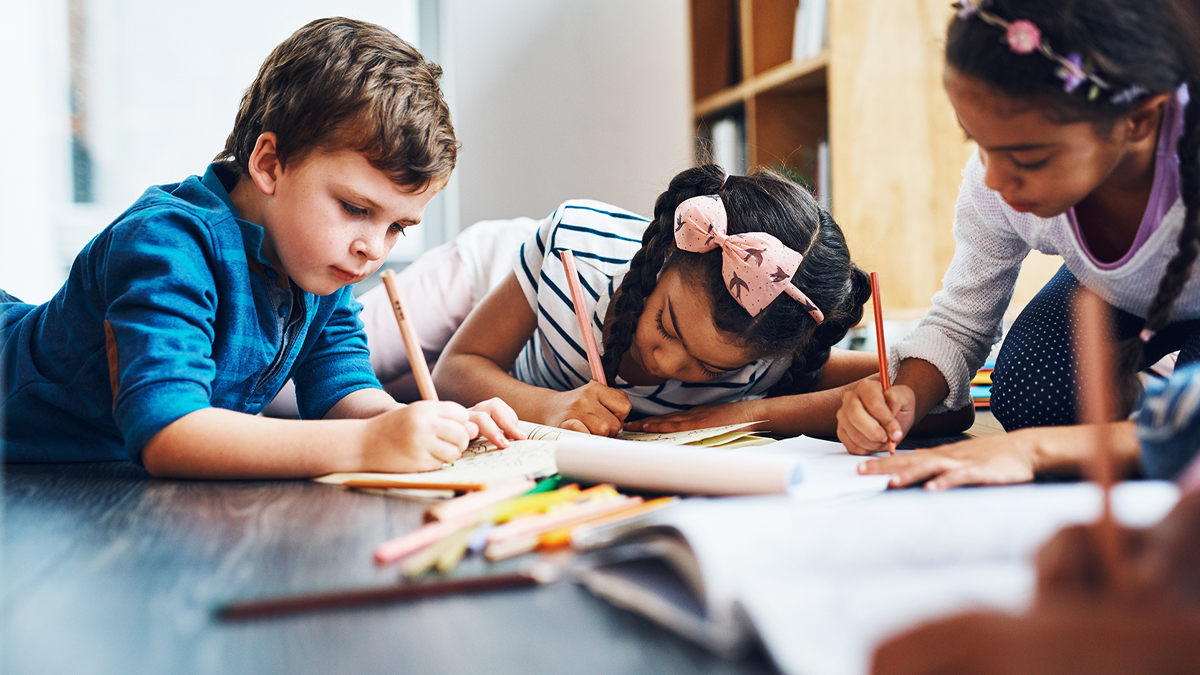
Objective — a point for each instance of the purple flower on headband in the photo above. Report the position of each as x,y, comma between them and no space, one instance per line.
1022,36
1071,72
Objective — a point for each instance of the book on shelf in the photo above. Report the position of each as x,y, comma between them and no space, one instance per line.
729,144
824,189
820,585
811,34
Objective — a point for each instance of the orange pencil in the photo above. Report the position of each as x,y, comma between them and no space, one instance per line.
884,378
585,326
416,357
1094,350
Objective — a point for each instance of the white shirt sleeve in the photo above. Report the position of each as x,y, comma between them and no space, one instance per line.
966,317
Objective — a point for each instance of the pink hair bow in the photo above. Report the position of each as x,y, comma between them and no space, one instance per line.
757,266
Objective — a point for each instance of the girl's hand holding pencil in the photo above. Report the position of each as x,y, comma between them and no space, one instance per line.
592,408
870,417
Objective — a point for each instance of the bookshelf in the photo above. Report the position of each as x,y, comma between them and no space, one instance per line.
874,95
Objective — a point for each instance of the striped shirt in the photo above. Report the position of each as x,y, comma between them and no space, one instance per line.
603,239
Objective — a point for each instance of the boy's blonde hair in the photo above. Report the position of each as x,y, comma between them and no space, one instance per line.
343,84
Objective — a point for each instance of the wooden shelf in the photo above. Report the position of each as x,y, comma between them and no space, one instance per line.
874,95
791,76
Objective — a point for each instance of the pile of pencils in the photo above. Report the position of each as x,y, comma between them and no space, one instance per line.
506,520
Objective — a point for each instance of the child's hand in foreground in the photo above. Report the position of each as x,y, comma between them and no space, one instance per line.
991,460
701,417
495,421
592,408
869,417
418,437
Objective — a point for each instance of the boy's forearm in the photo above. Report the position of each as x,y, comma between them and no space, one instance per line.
469,379
221,444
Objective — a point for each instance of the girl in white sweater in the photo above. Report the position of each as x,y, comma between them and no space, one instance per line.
1087,150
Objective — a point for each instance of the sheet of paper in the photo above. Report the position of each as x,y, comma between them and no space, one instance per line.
830,624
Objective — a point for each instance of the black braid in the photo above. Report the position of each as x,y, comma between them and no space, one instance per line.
808,362
658,242
1179,268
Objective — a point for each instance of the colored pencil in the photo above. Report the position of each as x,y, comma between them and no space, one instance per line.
585,326
413,485
286,604
395,549
416,357
527,531
561,537
477,501
1094,354
884,378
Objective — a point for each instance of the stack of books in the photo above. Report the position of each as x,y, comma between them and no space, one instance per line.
981,385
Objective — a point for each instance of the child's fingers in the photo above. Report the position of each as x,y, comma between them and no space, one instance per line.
487,427
858,430
574,425
616,401
908,469
454,433
503,415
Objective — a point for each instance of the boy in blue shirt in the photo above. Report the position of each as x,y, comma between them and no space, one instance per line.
185,317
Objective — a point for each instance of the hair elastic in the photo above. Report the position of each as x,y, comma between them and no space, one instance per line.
1146,335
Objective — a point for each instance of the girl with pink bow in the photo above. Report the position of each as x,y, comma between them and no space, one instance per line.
723,308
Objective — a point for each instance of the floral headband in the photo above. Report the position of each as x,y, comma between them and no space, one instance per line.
757,266
1024,37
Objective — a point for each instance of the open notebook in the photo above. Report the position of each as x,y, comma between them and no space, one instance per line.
714,461
821,585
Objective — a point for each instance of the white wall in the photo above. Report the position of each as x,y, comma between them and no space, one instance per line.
164,83
552,99
559,99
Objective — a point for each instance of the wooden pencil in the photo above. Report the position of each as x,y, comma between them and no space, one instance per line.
288,604
1097,407
585,326
416,357
885,379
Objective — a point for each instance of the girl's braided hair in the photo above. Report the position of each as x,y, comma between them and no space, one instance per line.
1146,46
762,201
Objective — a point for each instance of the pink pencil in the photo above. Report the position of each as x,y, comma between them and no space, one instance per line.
585,326
395,549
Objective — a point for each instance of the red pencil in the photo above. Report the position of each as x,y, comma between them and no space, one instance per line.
540,573
884,378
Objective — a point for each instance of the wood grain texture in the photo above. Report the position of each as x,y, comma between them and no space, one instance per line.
107,570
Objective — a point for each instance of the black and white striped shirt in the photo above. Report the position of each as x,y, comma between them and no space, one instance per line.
603,239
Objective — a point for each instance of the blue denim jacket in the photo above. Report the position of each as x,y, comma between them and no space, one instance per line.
171,309
1169,423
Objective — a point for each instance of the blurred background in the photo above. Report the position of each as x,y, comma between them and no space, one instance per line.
552,100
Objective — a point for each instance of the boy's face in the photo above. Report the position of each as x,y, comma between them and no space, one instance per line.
331,218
